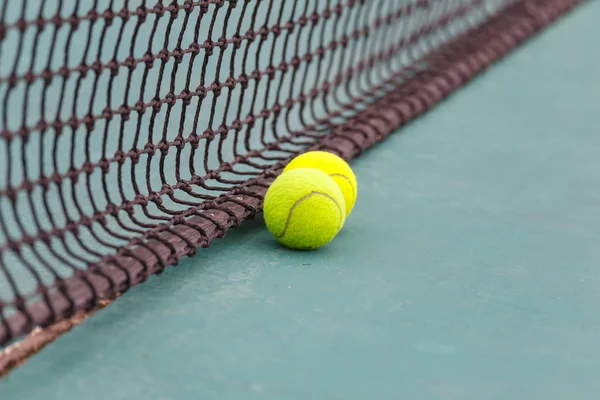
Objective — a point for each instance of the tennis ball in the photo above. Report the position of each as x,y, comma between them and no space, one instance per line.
304,208
335,167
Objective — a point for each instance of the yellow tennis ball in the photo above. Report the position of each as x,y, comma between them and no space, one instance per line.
304,208
335,167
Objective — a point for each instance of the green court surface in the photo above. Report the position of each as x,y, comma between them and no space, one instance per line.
468,269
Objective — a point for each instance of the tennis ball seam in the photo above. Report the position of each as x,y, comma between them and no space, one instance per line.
349,182
300,200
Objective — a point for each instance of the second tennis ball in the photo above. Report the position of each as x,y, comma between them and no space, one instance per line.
304,208
334,166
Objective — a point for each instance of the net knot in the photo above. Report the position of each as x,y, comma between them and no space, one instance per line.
139,106
222,131
104,165
119,156
283,67
250,120
107,113
13,80
197,180
128,207
148,59
11,193
85,220
357,34
170,99
42,125
141,13
100,217
215,87
178,142
273,146
226,167
87,167
188,6
289,26
14,246
178,55
134,156
213,174
45,237
96,66
186,97
201,92
185,186
208,47
129,63
140,199
243,81
194,140
64,72
271,71
72,226
250,35
125,111
47,76
236,125
229,82
150,149
208,134
302,21
289,103
74,21
295,62
236,40
29,77
21,25
256,75
222,43
179,220
163,146
167,189
264,113
124,13
315,17
57,20
194,48
163,55
173,9
263,31
58,127
159,9
109,16
155,198
204,6
156,104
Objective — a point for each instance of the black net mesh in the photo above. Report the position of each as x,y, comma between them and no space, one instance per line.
132,132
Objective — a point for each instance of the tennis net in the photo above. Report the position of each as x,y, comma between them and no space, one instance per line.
133,132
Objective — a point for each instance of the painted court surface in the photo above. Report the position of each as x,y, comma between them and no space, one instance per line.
469,268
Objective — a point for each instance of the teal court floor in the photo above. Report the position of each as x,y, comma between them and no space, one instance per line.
469,269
